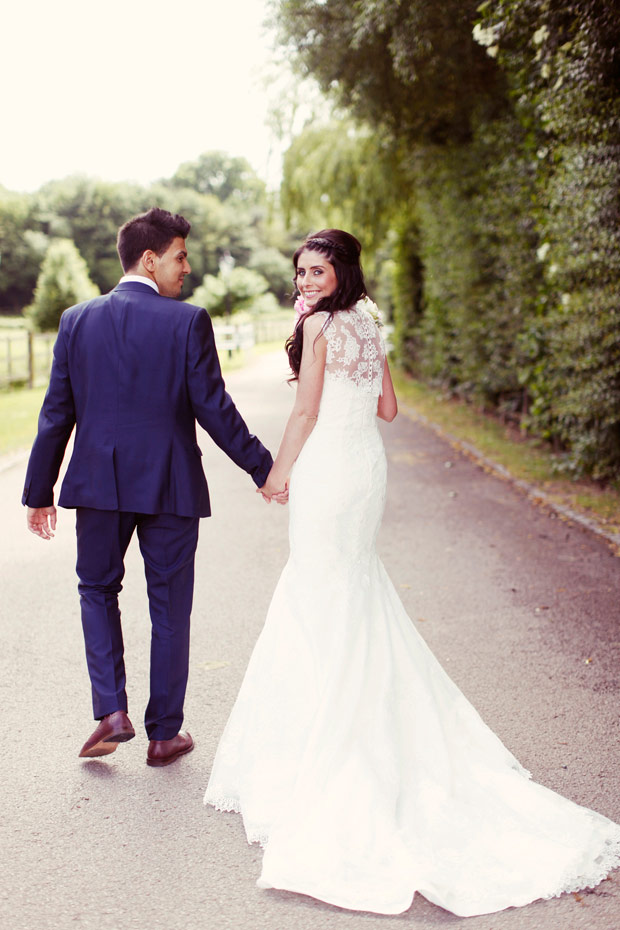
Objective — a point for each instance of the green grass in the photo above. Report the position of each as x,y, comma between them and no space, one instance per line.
528,459
19,411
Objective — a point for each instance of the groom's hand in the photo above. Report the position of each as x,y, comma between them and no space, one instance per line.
42,521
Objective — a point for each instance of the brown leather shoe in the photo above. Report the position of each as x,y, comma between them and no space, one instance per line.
113,729
165,751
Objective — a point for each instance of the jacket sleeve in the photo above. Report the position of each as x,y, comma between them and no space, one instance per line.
56,422
213,407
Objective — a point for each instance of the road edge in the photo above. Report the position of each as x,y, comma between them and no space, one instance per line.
534,493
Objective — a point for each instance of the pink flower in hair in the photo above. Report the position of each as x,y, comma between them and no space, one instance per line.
300,309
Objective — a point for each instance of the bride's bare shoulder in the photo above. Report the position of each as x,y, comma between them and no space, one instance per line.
314,324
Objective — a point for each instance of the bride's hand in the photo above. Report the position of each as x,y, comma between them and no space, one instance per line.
274,490
281,497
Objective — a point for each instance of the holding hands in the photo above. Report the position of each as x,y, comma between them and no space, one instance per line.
275,488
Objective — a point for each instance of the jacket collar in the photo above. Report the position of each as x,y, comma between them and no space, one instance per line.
136,286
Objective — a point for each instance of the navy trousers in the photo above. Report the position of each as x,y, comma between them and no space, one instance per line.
168,546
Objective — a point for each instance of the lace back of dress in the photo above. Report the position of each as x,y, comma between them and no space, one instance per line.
355,350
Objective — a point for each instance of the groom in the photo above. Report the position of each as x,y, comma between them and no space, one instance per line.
133,371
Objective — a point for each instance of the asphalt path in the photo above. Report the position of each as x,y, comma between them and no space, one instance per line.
520,607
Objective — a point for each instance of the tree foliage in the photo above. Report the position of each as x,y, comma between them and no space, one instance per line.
231,291
410,67
221,196
22,247
89,212
63,282
343,174
222,176
277,270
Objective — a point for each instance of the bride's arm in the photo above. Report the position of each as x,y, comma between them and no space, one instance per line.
306,408
388,405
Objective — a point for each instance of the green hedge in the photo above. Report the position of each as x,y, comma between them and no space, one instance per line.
563,65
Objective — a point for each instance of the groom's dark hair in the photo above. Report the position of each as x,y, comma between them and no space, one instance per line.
153,230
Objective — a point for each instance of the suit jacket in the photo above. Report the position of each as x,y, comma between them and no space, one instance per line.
134,371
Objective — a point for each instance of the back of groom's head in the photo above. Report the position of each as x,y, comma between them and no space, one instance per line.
153,230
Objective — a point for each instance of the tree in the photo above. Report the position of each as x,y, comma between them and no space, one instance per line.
90,212
344,174
63,282
220,175
235,289
22,247
409,66
276,269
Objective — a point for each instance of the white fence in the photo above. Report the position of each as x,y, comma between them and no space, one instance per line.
25,358
230,337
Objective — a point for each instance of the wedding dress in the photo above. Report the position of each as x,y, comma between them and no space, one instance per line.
354,759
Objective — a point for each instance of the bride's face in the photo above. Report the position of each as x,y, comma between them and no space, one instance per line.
315,277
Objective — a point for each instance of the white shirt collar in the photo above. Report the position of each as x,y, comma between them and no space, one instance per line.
139,279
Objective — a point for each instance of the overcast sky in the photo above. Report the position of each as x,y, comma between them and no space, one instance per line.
127,90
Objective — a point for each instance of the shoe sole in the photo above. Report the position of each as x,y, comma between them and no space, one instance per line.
123,737
105,746
167,760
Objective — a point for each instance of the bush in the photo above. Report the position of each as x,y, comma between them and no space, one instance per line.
276,269
235,290
63,281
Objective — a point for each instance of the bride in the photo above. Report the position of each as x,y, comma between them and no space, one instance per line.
353,758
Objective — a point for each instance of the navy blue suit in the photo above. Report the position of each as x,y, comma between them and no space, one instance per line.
133,372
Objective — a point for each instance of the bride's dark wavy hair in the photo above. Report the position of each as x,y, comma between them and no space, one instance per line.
342,251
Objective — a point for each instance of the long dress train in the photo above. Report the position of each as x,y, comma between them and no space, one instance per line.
354,759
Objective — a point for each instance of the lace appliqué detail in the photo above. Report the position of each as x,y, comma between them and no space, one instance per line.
255,834
594,871
355,349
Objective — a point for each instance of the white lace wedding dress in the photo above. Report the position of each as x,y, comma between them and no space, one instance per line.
354,759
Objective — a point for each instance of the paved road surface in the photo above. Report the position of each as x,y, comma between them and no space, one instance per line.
520,607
